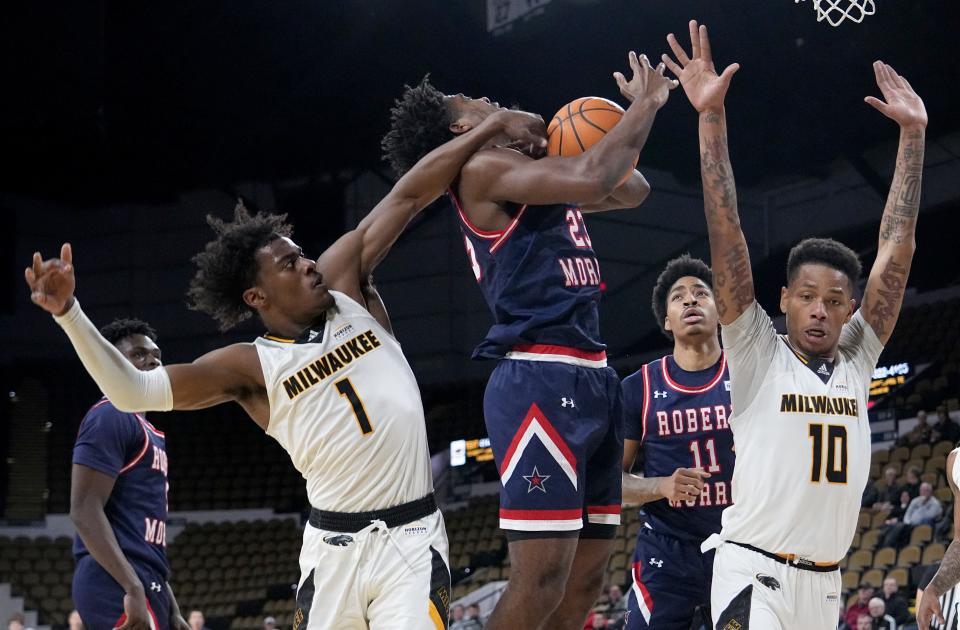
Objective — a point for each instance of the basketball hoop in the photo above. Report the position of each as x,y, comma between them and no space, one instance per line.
833,11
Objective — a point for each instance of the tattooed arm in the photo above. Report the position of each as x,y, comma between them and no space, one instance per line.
732,277
949,572
883,295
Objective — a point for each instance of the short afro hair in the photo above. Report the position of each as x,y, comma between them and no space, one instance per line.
227,266
824,251
419,123
122,327
679,267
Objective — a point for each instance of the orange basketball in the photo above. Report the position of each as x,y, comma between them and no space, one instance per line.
580,124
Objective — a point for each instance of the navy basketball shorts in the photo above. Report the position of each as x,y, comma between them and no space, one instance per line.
557,436
671,579
99,599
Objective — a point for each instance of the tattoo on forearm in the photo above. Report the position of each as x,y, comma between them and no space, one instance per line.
885,309
737,262
949,573
719,187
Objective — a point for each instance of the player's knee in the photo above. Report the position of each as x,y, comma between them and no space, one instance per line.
545,581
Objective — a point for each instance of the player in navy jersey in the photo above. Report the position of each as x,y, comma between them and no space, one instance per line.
118,503
676,411
553,409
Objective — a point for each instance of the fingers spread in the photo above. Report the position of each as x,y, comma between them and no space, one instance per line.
671,65
677,49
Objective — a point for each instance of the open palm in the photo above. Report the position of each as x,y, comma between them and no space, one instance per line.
704,88
901,103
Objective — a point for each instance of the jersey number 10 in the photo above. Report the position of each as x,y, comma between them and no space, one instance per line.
836,452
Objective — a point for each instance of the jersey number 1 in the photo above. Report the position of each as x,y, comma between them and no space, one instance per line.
345,387
836,448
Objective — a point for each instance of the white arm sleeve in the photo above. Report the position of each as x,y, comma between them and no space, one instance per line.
128,388
750,343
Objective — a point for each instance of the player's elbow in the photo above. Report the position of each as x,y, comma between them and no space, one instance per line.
634,191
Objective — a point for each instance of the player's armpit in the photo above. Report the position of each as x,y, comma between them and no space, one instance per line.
227,374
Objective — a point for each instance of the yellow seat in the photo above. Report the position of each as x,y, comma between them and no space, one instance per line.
860,560
908,557
944,495
863,521
850,580
901,575
885,558
869,539
920,451
879,518
873,577
921,534
900,454
881,457
933,553
941,449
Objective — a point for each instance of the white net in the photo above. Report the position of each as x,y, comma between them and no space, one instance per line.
836,11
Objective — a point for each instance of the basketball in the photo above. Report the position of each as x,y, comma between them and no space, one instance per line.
580,124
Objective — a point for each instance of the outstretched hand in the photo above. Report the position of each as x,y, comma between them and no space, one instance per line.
51,281
704,88
902,104
646,82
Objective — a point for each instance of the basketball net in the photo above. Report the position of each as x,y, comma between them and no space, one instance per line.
836,11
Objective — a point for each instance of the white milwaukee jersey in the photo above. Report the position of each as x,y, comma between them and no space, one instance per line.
802,438
346,407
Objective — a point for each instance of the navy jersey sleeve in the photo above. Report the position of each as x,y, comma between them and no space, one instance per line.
108,440
633,405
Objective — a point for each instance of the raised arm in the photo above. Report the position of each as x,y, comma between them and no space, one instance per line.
729,257
589,178
883,296
948,575
355,255
231,373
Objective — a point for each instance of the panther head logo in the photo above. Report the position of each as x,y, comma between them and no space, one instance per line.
768,581
338,540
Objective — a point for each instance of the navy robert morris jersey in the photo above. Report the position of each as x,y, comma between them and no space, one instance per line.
128,448
682,421
540,278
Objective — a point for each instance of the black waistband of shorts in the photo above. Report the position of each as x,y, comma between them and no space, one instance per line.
792,560
355,521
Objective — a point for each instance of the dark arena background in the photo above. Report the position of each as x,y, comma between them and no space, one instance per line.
124,124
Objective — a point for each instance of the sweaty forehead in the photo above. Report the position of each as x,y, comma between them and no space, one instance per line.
136,342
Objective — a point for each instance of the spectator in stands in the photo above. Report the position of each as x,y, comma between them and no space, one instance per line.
889,491
596,621
925,509
73,621
894,532
864,621
919,434
473,615
896,605
197,620
870,497
269,623
878,614
911,482
17,622
861,606
618,603
456,617
842,623
945,428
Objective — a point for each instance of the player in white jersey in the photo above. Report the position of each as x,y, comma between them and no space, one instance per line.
930,605
799,420
328,381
